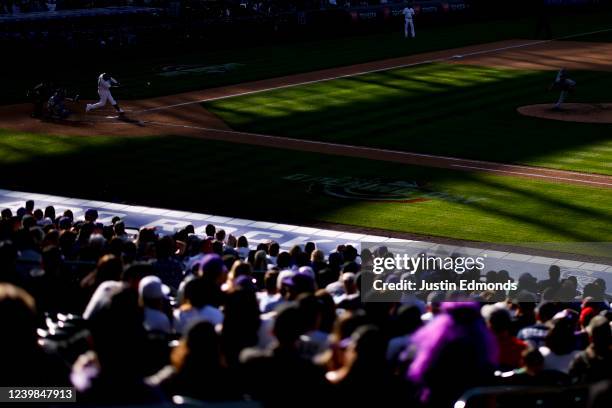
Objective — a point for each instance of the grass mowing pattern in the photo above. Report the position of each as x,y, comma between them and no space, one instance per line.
445,109
248,181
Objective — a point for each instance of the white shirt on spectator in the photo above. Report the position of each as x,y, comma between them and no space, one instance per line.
243,252
156,320
266,299
192,261
557,362
266,338
185,317
100,297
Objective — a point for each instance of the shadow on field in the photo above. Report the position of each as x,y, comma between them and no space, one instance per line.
248,181
450,110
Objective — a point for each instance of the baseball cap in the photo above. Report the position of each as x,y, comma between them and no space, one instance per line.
212,265
284,278
151,287
566,315
307,270
586,315
45,222
300,282
245,282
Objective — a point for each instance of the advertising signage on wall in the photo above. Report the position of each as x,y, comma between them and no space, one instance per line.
385,12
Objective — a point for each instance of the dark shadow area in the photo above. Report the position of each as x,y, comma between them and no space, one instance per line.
246,181
139,68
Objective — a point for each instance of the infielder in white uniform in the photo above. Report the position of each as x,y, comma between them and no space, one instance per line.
105,82
409,21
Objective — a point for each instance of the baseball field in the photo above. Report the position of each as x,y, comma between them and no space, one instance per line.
419,138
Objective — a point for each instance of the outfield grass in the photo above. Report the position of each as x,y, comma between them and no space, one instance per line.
139,71
452,110
248,181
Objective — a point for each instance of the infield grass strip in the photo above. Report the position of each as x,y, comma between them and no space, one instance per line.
255,182
444,109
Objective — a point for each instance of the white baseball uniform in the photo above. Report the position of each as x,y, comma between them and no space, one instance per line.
409,22
104,92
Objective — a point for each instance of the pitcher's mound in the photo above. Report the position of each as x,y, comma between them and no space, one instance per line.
571,112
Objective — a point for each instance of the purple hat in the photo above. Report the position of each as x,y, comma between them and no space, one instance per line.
301,283
212,265
245,282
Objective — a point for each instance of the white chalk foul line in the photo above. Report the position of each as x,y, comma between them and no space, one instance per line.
373,71
482,168
543,176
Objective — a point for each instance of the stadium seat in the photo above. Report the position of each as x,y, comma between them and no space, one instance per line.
524,397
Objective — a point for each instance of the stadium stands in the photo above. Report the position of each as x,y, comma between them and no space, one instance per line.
142,318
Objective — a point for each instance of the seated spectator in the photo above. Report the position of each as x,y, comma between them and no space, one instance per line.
238,269
560,344
230,246
109,268
284,357
407,321
532,372
154,297
553,282
273,251
23,360
524,305
297,284
457,345
350,299
317,260
240,323
364,354
270,295
197,306
113,372
166,266
434,301
313,340
595,363
535,334
510,348
197,368
119,228
452,352
260,262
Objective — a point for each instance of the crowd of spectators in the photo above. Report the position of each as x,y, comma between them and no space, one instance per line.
29,6
136,317
225,8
